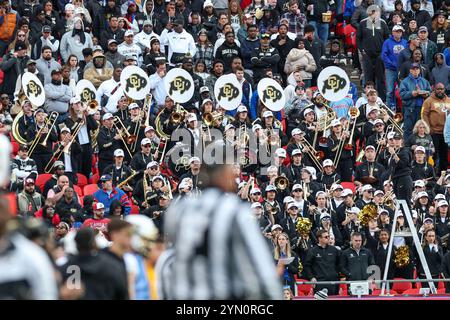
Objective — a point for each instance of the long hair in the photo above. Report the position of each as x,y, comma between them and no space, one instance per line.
435,26
424,243
277,251
239,11
421,122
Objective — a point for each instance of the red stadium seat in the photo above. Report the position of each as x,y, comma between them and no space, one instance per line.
304,289
15,148
78,190
441,291
90,189
413,291
343,291
134,209
94,178
42,179
82,180
400,287
349,185
377,292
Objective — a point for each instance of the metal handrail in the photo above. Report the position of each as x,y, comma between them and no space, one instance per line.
368,280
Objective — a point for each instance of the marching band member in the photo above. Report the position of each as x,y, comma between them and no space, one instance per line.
242,121
122,109
27,119
384,155
299,201
41,154
150,133
143,185
108,140
296,165
78,116
379,136
135,123
308,125
110,92
366,196
193,174
119,171
336,199
369,172
310,186
271,206
22,167
329,176
269,125
368,129
335,141
421,170
141,159
400,166
72,158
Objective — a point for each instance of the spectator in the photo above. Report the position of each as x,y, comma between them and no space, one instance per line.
416,13
282,255
112,55
179,42
98,221
428,47
434,115
68,206
263,58
416,57
389,53
439,32
45,40
228,50
297,20
58,95
9,20
13,65
441,72
112,32
413,90
129,48
98,72
108,193
46,64
29,200
74,41
300,59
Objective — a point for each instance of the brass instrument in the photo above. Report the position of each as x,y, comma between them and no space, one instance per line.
146,187
159,128
388,200
125,135
145,113
393,118
50,122
306,192
146,108
58,153
243,136
315,156
210,117
124,182
353,114
178,115
15,129
93,106
94,135
323,124
281,182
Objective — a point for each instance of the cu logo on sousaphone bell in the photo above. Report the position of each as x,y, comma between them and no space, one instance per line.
179,84
33,89
87,95
135,81
335,83
228,91
272,93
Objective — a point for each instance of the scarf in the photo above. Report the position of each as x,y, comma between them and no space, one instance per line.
80,33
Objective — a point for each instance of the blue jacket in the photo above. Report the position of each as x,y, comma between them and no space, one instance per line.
116,194
253,111
349,8
407,86
390,52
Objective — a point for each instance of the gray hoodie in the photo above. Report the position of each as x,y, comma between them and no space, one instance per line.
57,98
441,73
45,68
71,45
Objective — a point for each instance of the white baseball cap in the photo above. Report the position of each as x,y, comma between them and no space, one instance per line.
378,192
335,122
419,183
145,141
386,182
276,226
75,99
422,194
255,190
152,164
107,116
288,199
336,186
256,127
346,192
191,117
308,110
280,152
194,159
128,33
270,188
149,128
327,163
65,129
442,203
354,210
439,196
158,177
377,121
119,153
391,135
311,170
296,131
242,108
228,127
296,151
99,206
324,215
398,27
419,148
133,105
267,114
297,186
207,3
370,147
366,187
292,205
256,205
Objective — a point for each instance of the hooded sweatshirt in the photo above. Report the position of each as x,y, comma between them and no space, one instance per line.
74,41
433,115
390,52
441,73
300,57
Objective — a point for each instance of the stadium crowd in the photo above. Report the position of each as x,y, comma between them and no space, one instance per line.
94,177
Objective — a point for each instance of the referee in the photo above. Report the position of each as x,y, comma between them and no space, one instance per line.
218,251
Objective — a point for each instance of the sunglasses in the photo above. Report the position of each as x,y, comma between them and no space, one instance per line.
153,168
297,190
257,193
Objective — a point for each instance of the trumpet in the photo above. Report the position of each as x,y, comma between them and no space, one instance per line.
93,106
210,117
178,115
50,122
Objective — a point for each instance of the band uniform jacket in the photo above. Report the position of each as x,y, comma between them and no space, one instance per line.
434,258
31,135
91,125
119,174
364,169
106,143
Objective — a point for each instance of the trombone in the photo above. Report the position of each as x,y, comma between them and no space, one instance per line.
50,122
142,115
393,118
66,149
353,114
125,135
316,156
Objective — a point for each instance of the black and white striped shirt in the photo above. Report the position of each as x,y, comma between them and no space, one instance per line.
218,251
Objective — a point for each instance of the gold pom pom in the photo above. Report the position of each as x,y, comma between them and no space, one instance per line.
401,258
368,212
303,227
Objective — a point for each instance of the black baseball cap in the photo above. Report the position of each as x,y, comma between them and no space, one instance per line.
55,71
46,29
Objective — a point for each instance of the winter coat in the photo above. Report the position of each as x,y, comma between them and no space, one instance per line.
441,74
57,97
46,67
72,45
297,57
